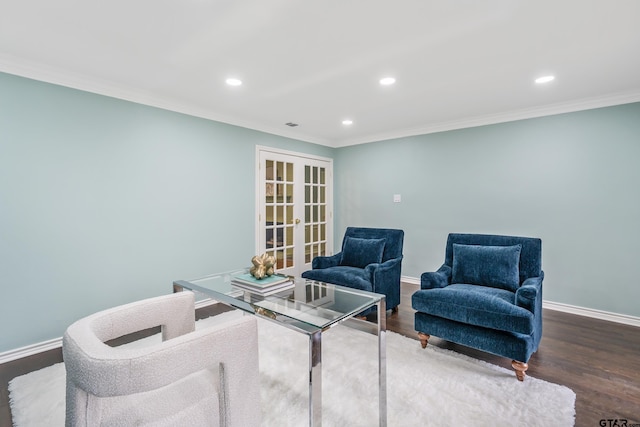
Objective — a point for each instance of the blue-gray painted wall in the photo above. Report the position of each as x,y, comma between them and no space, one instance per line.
104,201
571,179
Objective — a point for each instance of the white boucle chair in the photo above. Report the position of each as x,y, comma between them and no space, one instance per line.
207,377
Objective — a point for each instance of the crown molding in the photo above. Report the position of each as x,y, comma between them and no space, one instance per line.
76,81
504,117
48,74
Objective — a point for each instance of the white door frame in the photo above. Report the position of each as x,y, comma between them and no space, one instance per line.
260,236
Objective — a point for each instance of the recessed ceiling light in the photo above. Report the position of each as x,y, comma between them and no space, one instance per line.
233,81
545,79
387,81
347,122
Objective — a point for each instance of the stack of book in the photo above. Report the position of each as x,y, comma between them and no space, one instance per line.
265,286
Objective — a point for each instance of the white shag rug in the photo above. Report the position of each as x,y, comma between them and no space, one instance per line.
425,387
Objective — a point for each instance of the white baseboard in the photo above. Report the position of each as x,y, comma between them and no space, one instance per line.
32,349
567,308
411,280
591,312
205,303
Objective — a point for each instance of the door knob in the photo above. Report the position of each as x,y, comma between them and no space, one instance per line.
297,220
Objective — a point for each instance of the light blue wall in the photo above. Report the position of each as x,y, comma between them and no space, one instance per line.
570,179
104,201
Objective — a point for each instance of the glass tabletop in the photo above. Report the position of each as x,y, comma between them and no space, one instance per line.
297,303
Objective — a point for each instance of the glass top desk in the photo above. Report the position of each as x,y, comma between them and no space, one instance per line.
310,308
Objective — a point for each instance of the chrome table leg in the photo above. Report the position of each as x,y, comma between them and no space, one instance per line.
382,361
315,379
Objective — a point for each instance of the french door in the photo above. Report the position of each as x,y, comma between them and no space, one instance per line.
294,208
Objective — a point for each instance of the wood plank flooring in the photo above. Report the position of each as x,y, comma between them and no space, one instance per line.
598,360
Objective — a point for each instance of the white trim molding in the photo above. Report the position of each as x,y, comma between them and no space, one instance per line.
30,350
567,308
591,312
608,100
66,78
43,346
61,77
411,280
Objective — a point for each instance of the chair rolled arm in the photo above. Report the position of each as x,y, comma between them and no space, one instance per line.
326,261
529,294
385,279
436,279
378,270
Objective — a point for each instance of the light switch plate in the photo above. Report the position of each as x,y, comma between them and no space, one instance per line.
397,198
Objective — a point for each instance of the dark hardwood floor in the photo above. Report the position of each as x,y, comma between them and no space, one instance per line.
598,360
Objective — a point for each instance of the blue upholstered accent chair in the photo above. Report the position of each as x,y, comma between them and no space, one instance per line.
370,260
487,295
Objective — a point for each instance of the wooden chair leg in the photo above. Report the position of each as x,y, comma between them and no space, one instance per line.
424,339
520,368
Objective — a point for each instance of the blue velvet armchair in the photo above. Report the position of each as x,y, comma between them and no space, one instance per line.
370,260
487,295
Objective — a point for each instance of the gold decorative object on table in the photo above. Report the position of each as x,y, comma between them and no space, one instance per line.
264,312
262,266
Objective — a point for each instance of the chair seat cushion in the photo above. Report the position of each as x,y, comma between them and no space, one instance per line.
476,305
343,275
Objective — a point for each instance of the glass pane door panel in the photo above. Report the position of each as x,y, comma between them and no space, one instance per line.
294,213
279,197
289,177
315,212
280,217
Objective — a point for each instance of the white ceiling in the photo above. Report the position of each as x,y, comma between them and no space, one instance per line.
457,63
